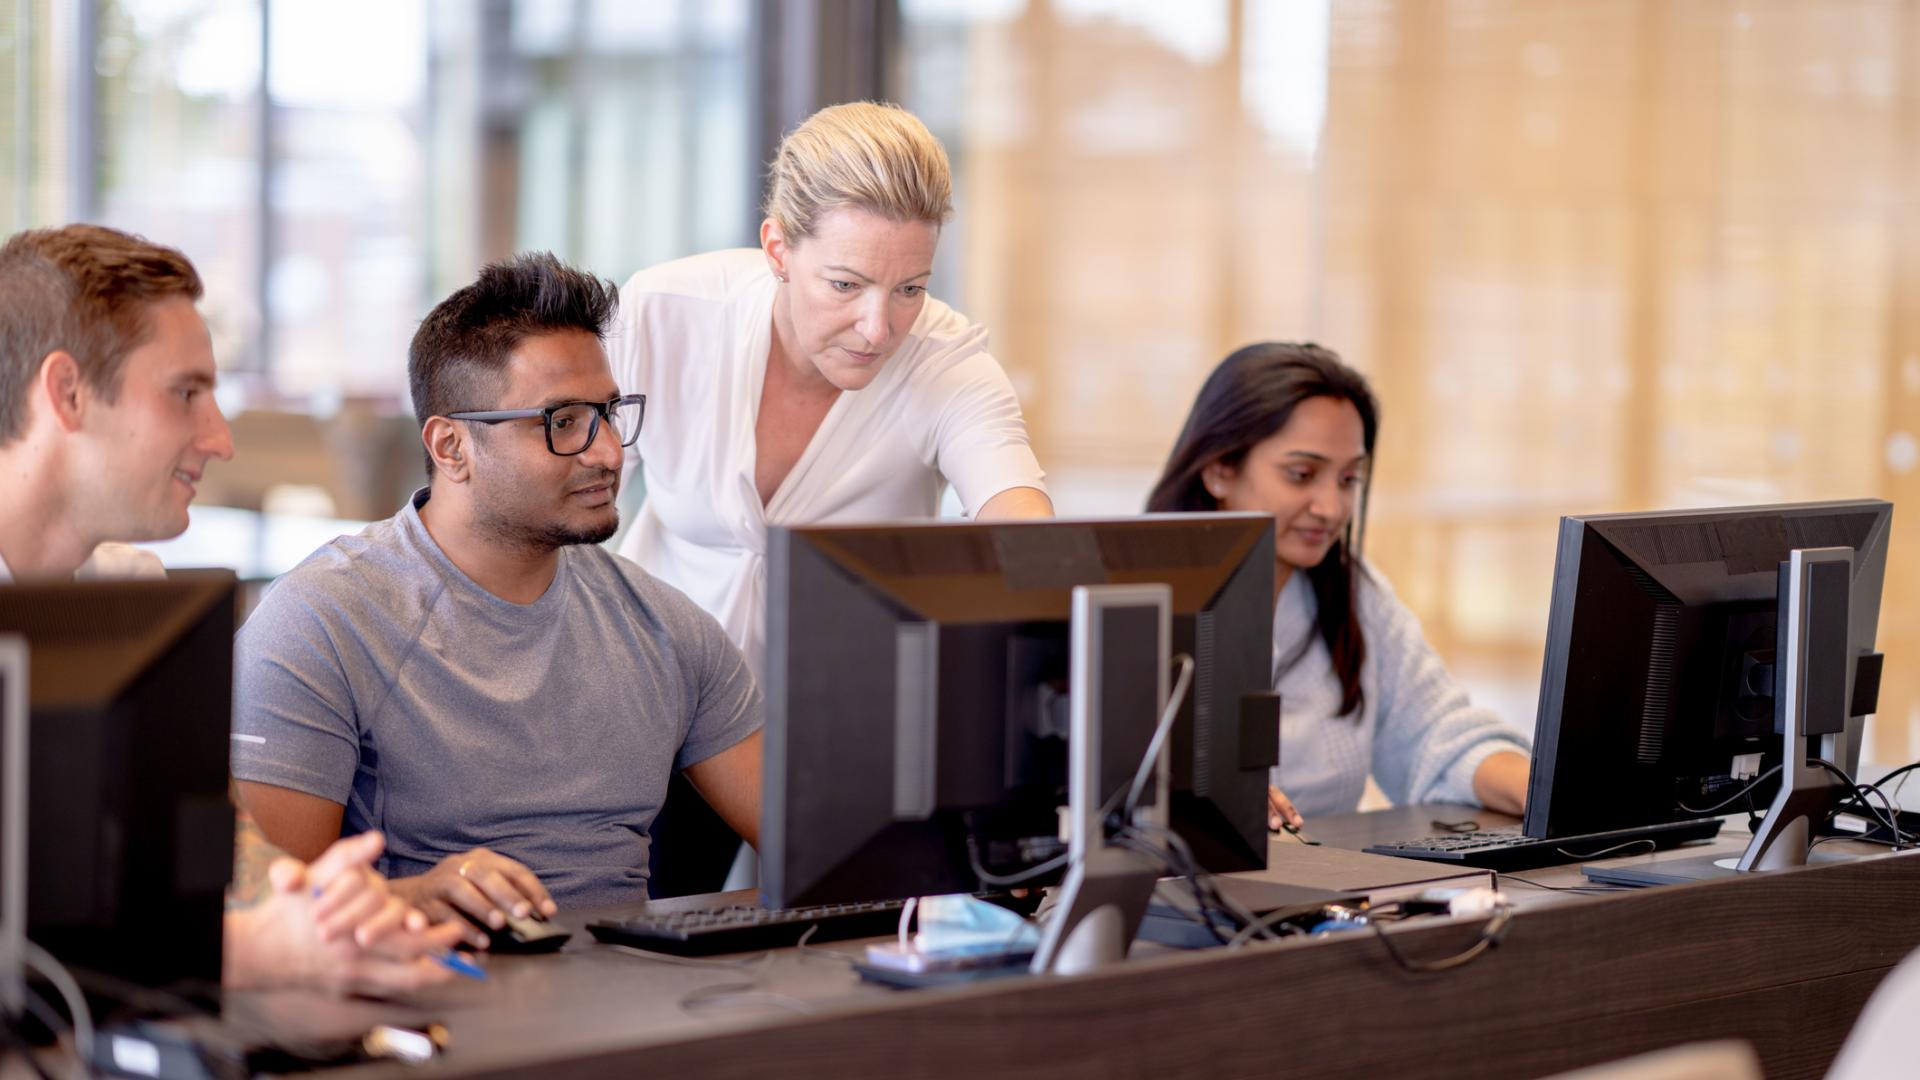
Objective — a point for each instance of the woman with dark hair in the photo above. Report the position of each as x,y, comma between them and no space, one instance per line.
1289,430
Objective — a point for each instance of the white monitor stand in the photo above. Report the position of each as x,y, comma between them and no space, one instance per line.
1107,887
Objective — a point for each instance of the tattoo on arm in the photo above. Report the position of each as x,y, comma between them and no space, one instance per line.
252,854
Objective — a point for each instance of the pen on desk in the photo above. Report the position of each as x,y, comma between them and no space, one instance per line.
458,964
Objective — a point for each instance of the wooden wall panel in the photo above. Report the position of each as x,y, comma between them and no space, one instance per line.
1595,254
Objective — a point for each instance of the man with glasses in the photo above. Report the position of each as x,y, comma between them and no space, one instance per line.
475,676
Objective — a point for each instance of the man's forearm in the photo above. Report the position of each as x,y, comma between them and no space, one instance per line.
252,854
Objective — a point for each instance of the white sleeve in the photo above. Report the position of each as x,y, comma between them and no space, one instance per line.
1430,737
979,437
630,356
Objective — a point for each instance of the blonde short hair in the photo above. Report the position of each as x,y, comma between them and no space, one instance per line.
877,157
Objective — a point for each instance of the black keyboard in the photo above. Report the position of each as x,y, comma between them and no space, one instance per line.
1507,848
744,927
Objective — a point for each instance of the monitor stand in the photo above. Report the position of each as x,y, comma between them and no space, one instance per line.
1099,906
1812,697
1098,912
13,823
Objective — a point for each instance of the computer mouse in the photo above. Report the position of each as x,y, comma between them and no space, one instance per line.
522,935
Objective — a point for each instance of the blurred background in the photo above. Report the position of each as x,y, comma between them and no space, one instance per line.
1596,255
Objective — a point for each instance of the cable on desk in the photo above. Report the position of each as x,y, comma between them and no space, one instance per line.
1878,787
1207,901
1466,826
1203,893
1859,840
1892,818
1152,757
1490,935
747,963
1263,926
38,959
1568,888
1179,857
1002,881
906,919
815,950
1845,808
733,994
1125,801
1905,773
1603,852
740,993
1733,798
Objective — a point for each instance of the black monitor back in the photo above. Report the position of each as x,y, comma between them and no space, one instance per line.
130,829
1659,646
910,667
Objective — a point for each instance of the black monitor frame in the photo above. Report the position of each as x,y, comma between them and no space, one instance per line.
976,609
1658,675
131,825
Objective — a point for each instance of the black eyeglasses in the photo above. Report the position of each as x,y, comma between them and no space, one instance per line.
571,426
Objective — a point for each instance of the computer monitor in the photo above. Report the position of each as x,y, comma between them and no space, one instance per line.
130,841
917,696
1657,698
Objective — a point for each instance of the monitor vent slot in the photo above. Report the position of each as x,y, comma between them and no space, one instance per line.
1657,708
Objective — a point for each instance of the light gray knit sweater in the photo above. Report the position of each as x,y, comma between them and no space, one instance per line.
1417,733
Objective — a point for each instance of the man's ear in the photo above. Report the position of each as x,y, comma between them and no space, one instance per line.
64,389
450,446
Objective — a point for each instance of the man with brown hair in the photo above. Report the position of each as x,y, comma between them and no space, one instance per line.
107,416
107,420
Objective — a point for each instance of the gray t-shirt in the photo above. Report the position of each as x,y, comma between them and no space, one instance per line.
378,675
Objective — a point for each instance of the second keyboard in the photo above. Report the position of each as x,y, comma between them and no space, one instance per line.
1507,848
745,927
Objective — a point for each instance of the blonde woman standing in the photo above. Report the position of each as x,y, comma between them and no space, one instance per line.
814,379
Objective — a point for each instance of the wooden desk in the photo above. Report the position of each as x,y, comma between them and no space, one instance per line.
1783,960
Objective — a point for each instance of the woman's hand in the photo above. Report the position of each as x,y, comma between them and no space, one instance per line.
1280,811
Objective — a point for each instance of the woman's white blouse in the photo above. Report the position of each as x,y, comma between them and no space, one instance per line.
693,335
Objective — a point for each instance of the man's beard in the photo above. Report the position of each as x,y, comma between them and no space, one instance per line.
546,535
559,536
